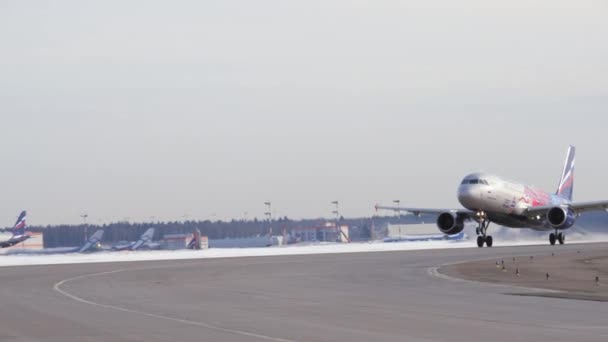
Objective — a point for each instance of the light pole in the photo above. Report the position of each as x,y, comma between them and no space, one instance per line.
397,203
84,219
268,215
336,210
337,213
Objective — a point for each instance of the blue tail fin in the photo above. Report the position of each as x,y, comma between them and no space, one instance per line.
92,242
19,228
566,183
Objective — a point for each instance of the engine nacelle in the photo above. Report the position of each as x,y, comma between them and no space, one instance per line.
561,218
450,223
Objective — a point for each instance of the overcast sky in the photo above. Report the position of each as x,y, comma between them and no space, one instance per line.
206,109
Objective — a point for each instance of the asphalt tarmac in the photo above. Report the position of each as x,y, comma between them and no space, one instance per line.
388,296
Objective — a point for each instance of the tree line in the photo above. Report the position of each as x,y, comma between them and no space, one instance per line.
74,235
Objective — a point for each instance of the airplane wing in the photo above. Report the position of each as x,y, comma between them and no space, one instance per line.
578,208
428,211
589,206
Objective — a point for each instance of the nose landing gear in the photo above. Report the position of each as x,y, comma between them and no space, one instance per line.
557,237
481,230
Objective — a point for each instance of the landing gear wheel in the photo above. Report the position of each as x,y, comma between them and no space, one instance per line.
489,241
552,239
481,230
561,237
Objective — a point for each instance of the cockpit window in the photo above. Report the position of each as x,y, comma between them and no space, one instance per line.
475,181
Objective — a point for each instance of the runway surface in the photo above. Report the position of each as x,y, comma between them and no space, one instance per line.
384,296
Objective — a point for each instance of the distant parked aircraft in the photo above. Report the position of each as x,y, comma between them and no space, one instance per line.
488,198
91,245
19,234
195,243
144,240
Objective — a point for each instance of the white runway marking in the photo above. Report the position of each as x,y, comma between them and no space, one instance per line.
57,287
434,272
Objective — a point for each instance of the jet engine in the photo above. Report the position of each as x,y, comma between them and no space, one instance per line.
561,218
450,223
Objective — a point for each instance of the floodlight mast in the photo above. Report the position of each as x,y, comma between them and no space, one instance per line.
268,215
86,232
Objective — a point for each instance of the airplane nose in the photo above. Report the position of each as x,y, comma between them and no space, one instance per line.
467,196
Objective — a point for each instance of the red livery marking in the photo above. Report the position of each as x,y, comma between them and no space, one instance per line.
537,197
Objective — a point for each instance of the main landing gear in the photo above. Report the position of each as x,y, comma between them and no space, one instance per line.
481,232
559,237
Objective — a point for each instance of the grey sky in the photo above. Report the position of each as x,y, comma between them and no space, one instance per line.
209,108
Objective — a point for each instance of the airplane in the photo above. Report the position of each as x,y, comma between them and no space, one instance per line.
195,242
19,234
91,245
144,240
488,198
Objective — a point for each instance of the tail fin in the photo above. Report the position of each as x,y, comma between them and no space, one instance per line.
195,243
19,228
566,183
92,241
145,238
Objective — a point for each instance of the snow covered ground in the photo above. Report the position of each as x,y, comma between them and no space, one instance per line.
29,259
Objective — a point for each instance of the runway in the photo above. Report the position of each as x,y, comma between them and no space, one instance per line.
383,296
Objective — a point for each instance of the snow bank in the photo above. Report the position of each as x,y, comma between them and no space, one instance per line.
100,257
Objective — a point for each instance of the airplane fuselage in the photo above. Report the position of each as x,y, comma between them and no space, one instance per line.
505,202
14,241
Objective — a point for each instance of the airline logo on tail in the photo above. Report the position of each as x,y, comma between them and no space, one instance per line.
566,184
18,233
19,228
